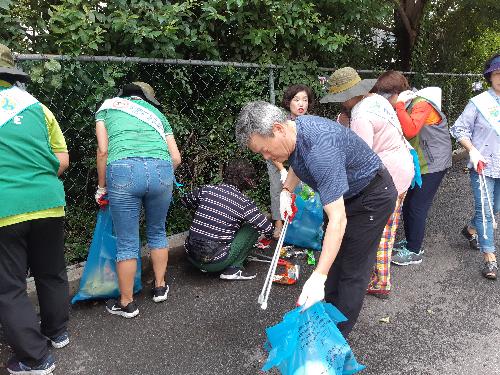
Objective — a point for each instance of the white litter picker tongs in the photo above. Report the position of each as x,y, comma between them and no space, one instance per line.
266,289
484,192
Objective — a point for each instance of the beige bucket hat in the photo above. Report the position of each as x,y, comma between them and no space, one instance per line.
345,83
140,88
7,66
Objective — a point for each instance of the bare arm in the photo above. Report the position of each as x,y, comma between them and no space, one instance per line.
63,161
466,143
278,165
102,152
333,235
291,180
174,151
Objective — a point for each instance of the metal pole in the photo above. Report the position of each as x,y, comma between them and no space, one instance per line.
272,96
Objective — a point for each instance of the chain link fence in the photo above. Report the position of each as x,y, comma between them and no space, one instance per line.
201,100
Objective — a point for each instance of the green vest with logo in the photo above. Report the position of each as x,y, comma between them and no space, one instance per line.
28,166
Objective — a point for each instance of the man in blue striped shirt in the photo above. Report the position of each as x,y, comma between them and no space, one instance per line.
226,223
357,193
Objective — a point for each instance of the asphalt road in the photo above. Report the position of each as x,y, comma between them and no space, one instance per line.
444,318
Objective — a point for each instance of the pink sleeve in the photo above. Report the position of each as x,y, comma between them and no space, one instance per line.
363,128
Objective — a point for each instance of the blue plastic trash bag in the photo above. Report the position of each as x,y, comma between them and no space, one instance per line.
99,279
306,228
309,342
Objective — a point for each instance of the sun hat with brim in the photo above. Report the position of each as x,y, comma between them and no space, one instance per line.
345,83
7,66
494,65
140,88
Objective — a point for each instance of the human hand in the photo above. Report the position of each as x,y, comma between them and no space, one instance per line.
313,290
406,96
283,175
476,157
99,194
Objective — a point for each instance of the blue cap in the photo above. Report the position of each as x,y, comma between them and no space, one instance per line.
494,65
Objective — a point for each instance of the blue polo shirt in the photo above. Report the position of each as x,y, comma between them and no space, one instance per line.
332,159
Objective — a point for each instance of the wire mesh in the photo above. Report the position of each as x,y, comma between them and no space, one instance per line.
200,99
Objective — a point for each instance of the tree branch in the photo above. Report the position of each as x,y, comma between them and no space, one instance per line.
412,33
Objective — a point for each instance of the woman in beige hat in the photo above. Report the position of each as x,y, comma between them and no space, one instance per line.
34,155
136,158
375,121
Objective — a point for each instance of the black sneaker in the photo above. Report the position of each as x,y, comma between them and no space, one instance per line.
472,238
235,273
114,307
60,341
45,368
160,293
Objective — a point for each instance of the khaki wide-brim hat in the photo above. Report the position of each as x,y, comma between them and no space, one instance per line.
345,83
140,88
7,65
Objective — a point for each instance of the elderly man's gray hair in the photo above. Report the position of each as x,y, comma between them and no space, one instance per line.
257,118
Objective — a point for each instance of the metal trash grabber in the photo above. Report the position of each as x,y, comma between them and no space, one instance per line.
482,185
266,289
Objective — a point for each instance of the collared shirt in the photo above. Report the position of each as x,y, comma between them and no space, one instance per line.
473,126
331,159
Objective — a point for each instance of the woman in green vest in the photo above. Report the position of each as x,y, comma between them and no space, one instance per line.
34,154
136,158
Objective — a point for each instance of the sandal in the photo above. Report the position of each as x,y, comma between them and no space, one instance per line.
490,269
377,292
277,230
471,237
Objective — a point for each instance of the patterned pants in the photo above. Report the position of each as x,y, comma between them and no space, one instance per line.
381,276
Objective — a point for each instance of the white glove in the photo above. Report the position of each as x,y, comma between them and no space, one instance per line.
475,157
285,203
406,96
283,175
313,290
99,193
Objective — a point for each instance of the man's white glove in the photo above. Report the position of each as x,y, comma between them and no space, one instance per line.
285,204
101,191
313,290
475,157
283,175
406,96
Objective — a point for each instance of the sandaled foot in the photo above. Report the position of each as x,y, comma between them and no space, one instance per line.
471,237
278,226
490,269
377,292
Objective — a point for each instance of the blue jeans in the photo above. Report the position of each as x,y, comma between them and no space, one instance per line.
486,245
131,183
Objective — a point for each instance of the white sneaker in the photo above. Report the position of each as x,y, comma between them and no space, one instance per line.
233,273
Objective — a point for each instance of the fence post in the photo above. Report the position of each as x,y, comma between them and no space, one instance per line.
272,96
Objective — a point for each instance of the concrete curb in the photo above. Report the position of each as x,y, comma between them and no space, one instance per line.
176,244
75,271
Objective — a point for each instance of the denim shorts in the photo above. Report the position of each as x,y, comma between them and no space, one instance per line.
133,183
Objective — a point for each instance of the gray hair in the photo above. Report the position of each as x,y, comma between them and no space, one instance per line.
257,118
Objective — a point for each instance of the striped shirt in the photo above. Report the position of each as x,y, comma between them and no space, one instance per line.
332,159
221,210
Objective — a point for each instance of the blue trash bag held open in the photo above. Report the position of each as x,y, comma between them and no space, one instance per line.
306,228
99,279
309,342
